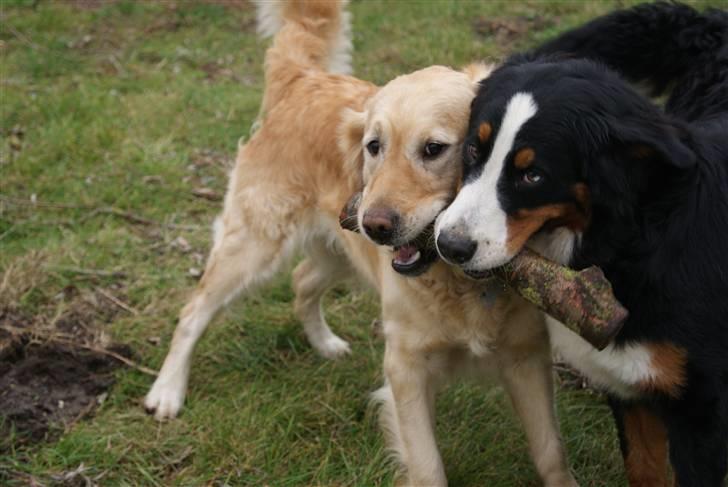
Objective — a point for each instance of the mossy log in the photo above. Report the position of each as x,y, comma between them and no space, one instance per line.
581,300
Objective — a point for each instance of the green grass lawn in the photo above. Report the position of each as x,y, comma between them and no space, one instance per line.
112,111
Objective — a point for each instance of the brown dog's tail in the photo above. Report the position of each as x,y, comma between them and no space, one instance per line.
309,34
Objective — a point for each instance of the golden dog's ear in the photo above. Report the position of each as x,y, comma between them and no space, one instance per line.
478,72
351,133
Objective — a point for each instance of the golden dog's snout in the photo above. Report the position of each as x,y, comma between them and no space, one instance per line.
380,224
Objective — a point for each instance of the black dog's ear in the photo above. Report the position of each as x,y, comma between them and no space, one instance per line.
650,139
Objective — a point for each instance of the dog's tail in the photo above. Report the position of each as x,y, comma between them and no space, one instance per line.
661,44
309,35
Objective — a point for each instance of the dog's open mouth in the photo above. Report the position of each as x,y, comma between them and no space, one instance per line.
416,256
410,259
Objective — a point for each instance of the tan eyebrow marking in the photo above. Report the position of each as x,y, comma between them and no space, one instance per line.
524,158
484,132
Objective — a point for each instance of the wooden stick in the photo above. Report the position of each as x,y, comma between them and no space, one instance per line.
581,300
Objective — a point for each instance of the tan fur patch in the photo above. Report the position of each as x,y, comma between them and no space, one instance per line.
484,132
668,363
526,222
583,197
524,158
646,459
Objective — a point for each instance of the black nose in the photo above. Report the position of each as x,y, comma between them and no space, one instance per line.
380,224
456,248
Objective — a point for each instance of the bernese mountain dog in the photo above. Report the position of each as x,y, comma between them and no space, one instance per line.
563,155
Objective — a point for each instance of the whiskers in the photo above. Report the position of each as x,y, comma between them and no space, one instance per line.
426,238
350,223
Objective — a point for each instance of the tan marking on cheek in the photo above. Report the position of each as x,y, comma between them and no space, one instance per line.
668,364
524,158
583,197
484,132
525,223
646,457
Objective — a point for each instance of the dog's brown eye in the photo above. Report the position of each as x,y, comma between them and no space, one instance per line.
433,149
373,147
532,177
472,153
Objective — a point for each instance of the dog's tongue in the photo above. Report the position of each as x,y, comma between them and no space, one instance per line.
406,255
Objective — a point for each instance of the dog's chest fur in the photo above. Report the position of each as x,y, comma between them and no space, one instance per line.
443,310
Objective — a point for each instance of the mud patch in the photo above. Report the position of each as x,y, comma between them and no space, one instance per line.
57,362
46,388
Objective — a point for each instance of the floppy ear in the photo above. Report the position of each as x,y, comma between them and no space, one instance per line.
646,139
350,135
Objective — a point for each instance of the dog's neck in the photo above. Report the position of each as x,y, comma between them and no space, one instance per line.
677,215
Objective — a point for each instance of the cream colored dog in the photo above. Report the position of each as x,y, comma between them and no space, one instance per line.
285,193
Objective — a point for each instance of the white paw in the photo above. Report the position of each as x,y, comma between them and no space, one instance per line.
332,347
165,399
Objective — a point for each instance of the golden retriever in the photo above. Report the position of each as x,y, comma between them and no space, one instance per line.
312,150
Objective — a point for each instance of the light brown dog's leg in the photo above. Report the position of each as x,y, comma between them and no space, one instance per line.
529,383
240,260
312,277
413,392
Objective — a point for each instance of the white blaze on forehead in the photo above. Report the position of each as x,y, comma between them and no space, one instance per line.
476,209
521,108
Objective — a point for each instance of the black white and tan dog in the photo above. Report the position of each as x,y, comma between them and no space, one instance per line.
564,156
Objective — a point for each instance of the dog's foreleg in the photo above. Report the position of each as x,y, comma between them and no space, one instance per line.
237,263
529,383
413,392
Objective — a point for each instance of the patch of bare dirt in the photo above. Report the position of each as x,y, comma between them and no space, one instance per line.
56,365
506,30
47,387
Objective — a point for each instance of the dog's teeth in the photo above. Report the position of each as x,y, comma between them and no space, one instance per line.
413,258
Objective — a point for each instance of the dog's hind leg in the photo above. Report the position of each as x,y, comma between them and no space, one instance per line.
322,268
240,260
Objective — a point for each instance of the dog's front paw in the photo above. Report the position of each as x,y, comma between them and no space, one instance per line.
332,347
165,399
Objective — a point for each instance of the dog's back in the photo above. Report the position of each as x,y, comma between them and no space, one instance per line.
668,46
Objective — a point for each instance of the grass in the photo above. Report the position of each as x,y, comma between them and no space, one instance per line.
133,106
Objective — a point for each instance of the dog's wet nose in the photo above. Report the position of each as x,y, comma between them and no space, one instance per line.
456,248
379,224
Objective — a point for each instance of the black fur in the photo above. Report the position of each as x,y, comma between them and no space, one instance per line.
658,184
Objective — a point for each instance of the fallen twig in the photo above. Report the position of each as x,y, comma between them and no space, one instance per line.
104,210
138,219
121,304
110,353
39,204
88,272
